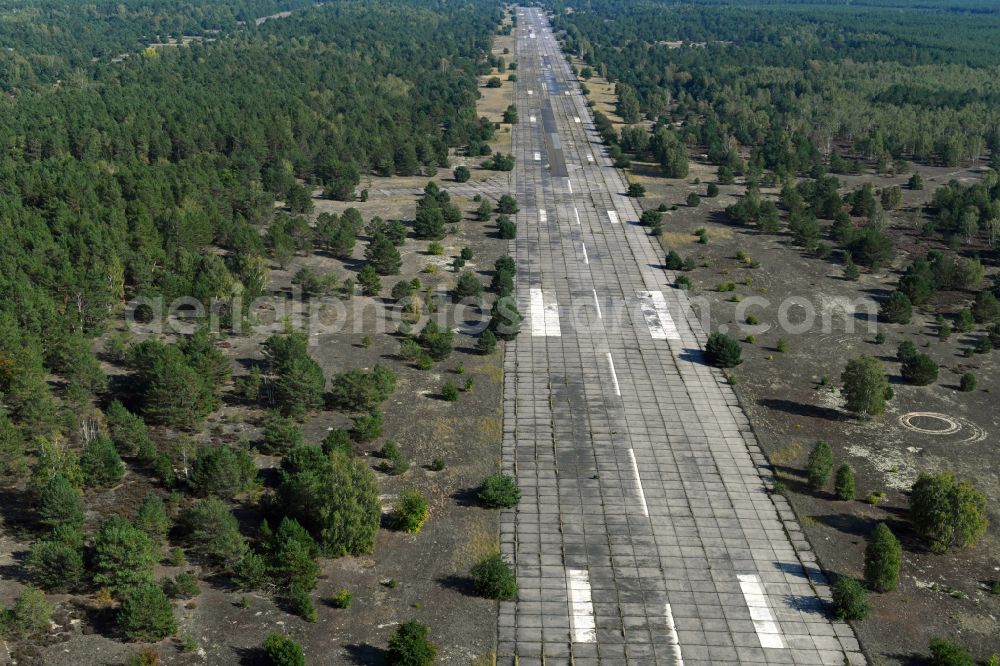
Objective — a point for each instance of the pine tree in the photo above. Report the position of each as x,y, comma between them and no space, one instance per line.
883,556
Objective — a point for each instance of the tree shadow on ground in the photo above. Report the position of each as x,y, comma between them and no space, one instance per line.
466,496
463,584
800,409
364,653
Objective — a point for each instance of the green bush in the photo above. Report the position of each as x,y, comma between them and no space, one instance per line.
494,578
820,466
395,461
461,174
499,491
222,471
281,434
55,565
341,599
506,228
367,427
507,205
213,531
723,351
280,650
883,557
411,646
30,614
693,200
101,465
897,309
920,369
674,261
947,653
183,586
146,614
60,504
866,386
947,512
152,518
487,343
449,392
123,556
300,603
843,483
436,340
968,383
338,440
410,512
849,600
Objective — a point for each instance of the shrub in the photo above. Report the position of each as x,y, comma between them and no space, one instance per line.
449,392
494,578
222,471
367,427
968,382
280,650
213,531
436,340
843,483
712,190
499,491
487,343
920,369
31,613
507,205
146,614
468,286
723,351
410,512
865,386
100,463
883,556
946,511
123,556
849,600
820,465
55,564
300,603
281,434
395,462
947,653
674,261
359,391
636,190
506,228
693,200
183,586
505,318
897,309
410,646
965,322
341,599
145,657
338,440
60,504
461,174
152,517
335,498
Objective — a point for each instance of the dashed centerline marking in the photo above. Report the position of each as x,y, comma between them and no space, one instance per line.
763,620
672,640
538,157
597,304
590,158
638,483
613,216
581,606
614,375
542,216
576,214
586,259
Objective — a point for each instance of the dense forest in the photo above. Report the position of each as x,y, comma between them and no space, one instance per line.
116,179
796,83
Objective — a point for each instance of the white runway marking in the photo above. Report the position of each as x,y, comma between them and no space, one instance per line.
586,259
597,304
590,158
658,320
763,620
531,118
613,216
543,216
672,640
576,214
614,375
538,157
569,185
638,483
576,119
531,92
581,606
543,310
